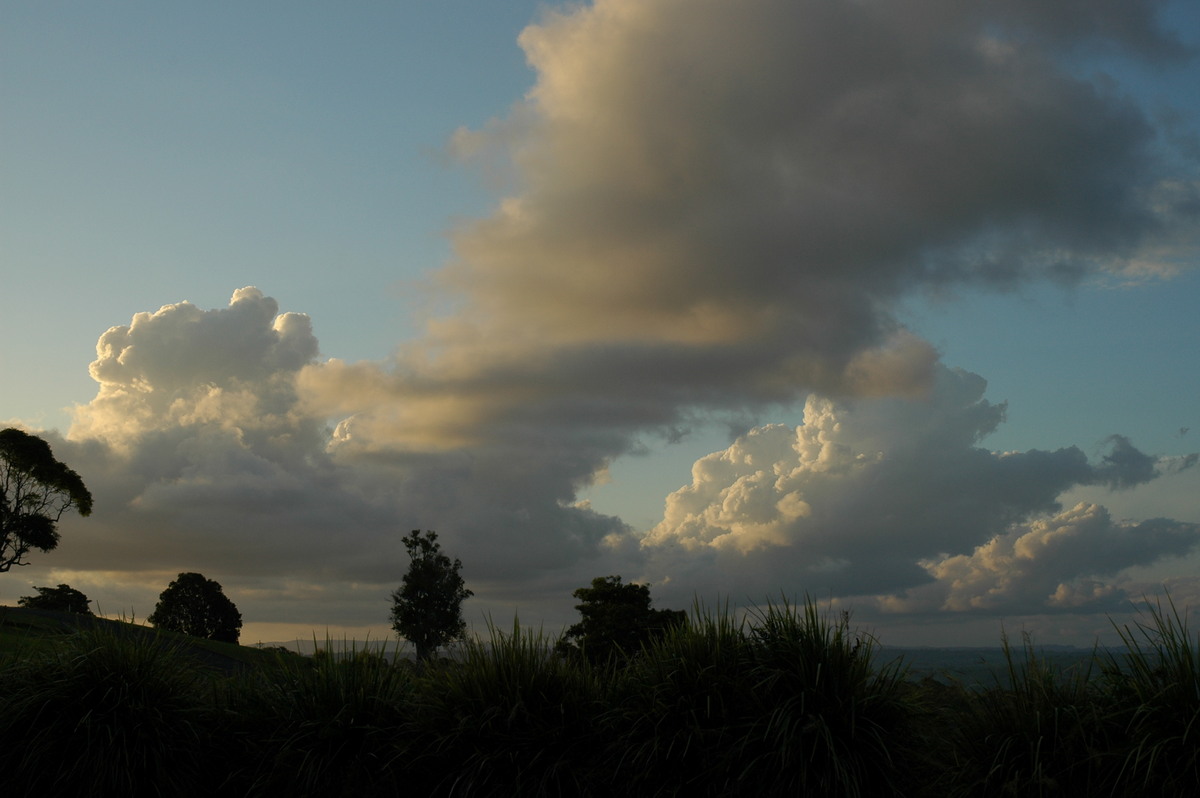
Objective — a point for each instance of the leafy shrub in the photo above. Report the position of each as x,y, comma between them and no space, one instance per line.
194,605
63,598
616,621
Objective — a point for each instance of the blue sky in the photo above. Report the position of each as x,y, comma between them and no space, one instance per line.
167,153
570,268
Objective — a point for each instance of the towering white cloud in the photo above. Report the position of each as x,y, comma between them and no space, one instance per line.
871,497
200,453
204,452
181,366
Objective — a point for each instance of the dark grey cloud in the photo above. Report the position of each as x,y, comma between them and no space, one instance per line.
715,206
1124,466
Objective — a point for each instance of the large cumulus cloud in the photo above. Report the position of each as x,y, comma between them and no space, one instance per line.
202,458
183,367
896,498
204,453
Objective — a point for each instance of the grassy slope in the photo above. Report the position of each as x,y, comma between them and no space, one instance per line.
24,630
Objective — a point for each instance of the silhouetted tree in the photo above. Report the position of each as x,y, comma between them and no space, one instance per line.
63,598
35,491
615,620
196,606
427,607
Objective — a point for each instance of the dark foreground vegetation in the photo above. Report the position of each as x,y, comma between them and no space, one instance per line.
793,702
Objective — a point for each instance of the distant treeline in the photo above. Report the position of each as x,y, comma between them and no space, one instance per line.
794,702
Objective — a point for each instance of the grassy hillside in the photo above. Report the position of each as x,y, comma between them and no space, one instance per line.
25,632
791,703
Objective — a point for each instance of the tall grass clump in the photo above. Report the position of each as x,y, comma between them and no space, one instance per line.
331,725
106,712
676,708
509,717
1040,731
791,702
1156,688
828,718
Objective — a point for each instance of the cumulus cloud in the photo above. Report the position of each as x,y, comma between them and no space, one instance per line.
1065,561
186,367
895,496
199,449
204,453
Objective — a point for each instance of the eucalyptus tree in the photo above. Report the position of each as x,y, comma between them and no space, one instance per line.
35,491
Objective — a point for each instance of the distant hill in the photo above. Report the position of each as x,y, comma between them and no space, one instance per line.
978,666
306,646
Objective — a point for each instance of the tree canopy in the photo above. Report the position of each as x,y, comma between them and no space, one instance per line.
197,606
63,598
35,491
427,607
616,620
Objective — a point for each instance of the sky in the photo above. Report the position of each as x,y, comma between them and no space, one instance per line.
892,305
